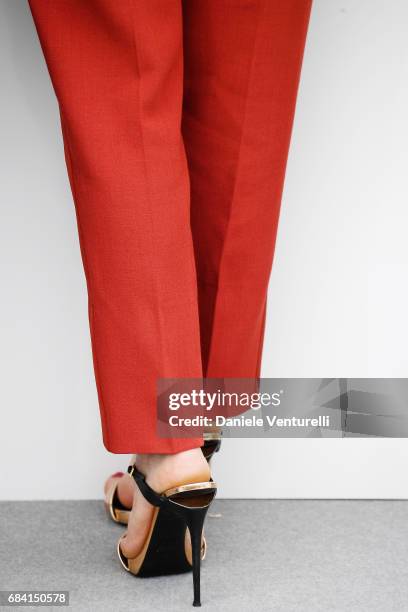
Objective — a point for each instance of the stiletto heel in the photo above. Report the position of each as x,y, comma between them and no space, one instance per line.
195,522
176,510
120,514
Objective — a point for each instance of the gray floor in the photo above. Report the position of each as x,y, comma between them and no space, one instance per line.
303,556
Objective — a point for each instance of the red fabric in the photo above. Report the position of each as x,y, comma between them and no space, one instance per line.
147,153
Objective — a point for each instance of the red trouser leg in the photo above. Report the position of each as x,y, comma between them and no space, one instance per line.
116,66
242,67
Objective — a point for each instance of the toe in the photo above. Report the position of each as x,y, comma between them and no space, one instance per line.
109,482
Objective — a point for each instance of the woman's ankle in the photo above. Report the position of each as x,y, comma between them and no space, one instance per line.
165,471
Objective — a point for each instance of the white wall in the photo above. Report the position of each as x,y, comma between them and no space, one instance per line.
338,296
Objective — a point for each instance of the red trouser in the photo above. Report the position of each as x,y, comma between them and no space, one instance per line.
177,185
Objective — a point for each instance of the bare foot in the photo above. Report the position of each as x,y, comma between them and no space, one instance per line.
125,488
162,472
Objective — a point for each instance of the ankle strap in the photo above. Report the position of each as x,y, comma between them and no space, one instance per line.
148,493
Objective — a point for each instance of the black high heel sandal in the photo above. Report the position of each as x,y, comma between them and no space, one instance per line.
176,510
120,513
